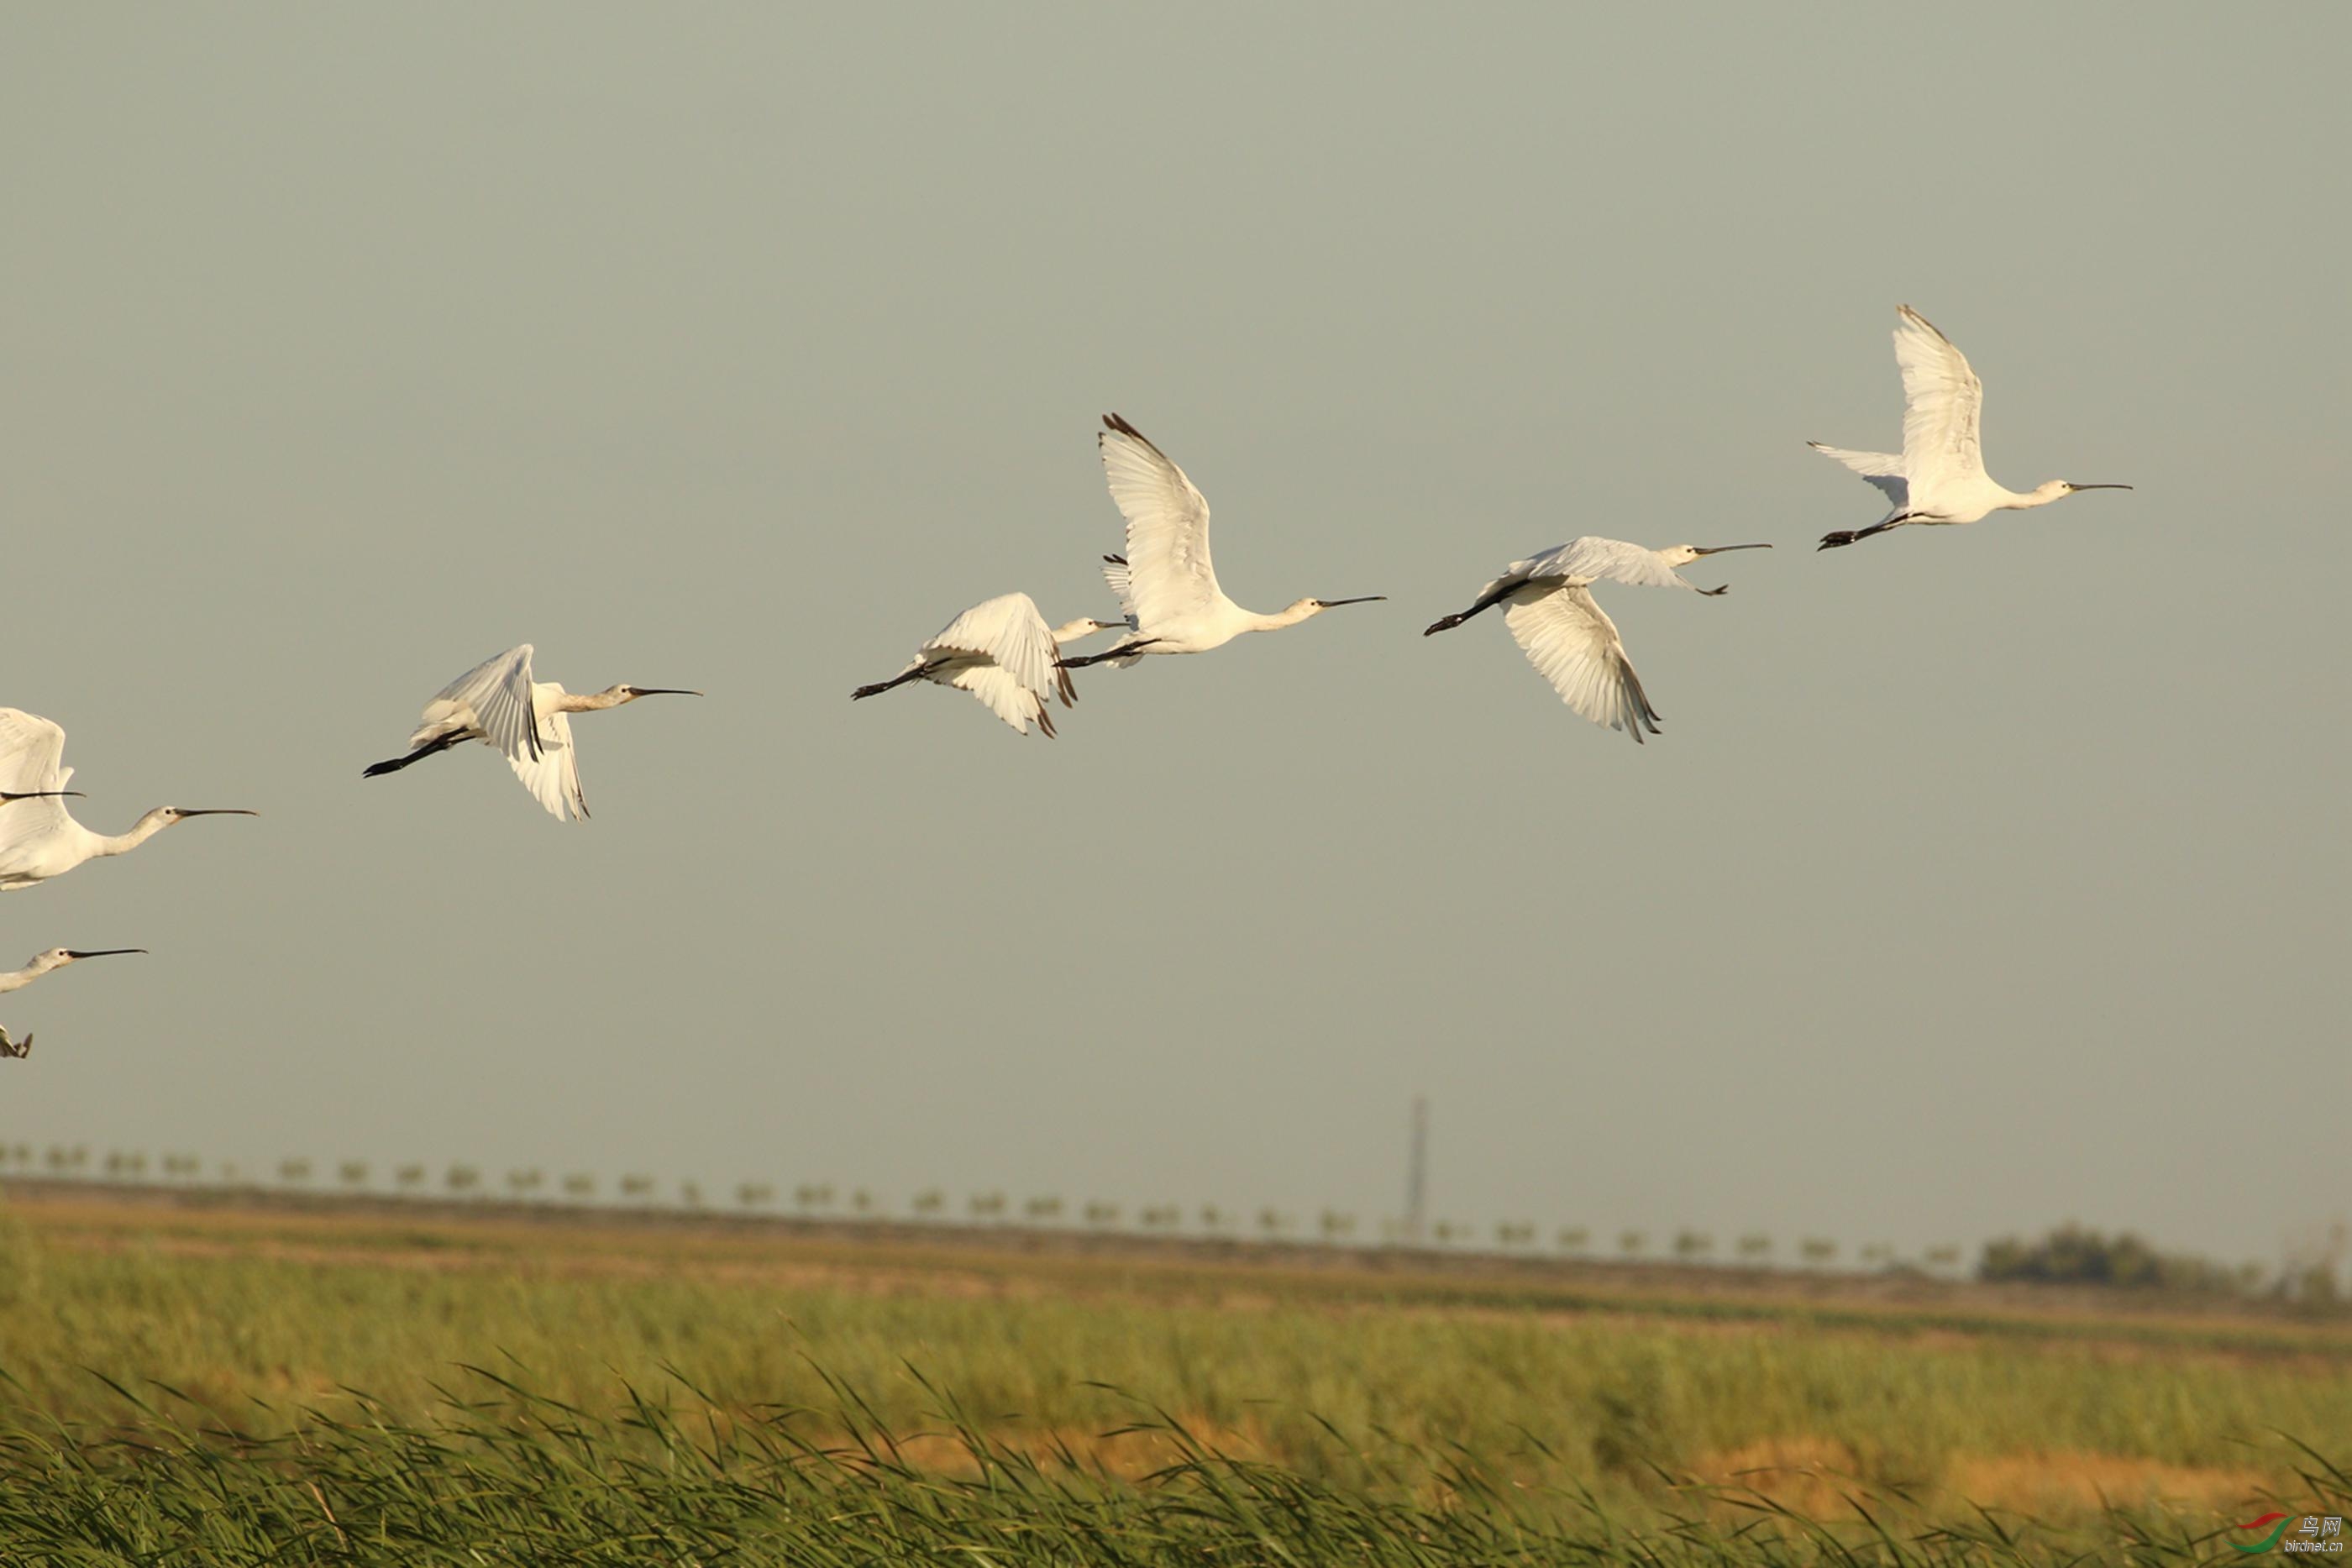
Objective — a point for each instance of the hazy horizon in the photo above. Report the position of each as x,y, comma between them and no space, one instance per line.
1983,878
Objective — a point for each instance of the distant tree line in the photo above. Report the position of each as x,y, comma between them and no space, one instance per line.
2074,1255
2312,1273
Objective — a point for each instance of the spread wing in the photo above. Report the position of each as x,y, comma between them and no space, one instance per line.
1941,402
1575,647
1168,571
1613,559
1001,651
1004,696
30,747
1883,469
497,693
552,772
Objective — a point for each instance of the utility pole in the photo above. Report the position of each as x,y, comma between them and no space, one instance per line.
1416,1178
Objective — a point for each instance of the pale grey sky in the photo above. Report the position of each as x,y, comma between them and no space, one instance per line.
1983,878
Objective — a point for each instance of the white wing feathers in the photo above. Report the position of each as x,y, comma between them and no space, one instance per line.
1003,652
1613,561
1942,400
493,697
496,700
1169,574
1122,582
1003,695
1593,559
1575,646
29,749
552,773
1883,469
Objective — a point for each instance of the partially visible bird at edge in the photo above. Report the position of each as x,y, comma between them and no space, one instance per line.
38,837
35,968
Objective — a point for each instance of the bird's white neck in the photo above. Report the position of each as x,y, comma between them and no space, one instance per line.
146,827
1282,618
2040,495
585,702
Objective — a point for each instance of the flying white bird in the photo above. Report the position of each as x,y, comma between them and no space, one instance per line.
1940,476
38,838
1164,580
39,965
1564,634
497,703
1001,651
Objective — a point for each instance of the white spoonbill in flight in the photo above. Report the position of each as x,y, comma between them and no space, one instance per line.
1170,590
497,703
1940,476
41,964
1001,651
1564,634
38,837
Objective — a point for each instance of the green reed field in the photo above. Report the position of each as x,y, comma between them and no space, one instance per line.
223,1387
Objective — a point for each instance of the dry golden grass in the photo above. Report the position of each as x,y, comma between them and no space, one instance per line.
1557,1378
1819,1476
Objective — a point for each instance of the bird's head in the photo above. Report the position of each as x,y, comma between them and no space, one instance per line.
58,958
628,694
1683,555
1300,610
1085,626
2052,489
